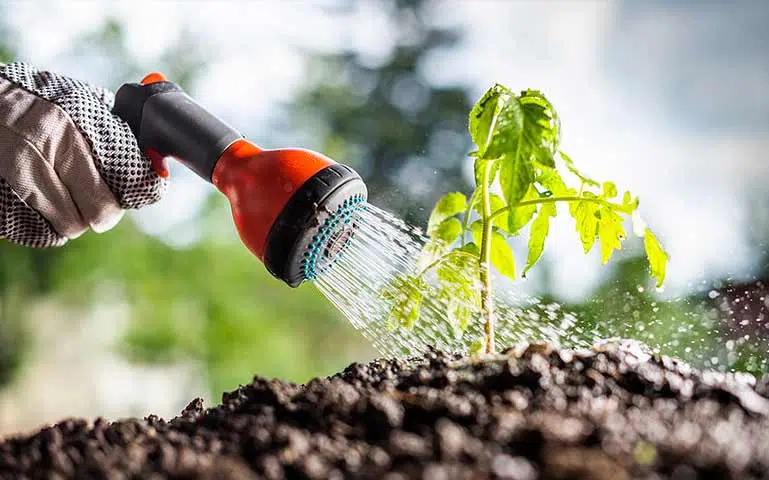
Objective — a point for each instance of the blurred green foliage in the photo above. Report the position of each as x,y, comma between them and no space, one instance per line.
212,302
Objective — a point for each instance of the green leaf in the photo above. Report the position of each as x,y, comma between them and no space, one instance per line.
519,130
609,190
502,255
506,127
470,248
585,213
515,176
483,117
658,257
521,215
552,181
629,203
610,233
541,132
448,230
448,206
539,231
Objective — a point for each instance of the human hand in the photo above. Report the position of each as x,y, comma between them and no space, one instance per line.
67,163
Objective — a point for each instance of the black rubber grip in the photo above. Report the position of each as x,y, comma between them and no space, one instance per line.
164,118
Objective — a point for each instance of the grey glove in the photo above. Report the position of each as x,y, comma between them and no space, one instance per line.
67,164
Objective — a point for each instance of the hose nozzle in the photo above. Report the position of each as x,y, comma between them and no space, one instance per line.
293,208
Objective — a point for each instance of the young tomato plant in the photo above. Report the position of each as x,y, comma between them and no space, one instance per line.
517,153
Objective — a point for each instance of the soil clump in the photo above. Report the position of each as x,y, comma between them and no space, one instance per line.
612,412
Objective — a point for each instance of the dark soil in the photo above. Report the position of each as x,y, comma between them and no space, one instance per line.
609,413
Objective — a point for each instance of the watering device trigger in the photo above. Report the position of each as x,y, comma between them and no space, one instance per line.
295,209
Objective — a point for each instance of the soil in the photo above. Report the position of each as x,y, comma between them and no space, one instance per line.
611,412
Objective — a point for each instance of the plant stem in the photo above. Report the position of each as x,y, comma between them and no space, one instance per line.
466,219
487,299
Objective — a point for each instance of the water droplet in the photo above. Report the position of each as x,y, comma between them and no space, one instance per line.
713,294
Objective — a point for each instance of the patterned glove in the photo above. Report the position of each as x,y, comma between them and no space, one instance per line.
67,163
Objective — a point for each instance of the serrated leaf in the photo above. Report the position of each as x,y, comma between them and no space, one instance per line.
521,215
629,204
609,190
507,127
502,255
541,127
610,233
584,213
539,231
519,130
551,180
447,231
573,169
658,257
448,206
483,117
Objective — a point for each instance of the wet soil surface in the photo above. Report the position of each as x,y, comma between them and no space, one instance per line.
612,412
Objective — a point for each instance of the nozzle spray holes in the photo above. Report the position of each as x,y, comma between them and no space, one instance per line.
337,241
332,237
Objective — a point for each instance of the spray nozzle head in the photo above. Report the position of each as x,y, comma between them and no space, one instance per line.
316,225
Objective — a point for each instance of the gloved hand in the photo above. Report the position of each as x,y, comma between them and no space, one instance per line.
67,163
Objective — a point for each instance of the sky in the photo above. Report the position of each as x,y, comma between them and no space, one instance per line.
670,100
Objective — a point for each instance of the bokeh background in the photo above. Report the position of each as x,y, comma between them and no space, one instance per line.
670,99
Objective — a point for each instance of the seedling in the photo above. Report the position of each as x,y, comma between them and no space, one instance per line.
517,154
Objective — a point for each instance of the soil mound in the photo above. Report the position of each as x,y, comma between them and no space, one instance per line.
611,412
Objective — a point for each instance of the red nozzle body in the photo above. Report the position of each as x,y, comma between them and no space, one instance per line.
259,184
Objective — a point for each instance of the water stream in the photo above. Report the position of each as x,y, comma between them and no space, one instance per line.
385,247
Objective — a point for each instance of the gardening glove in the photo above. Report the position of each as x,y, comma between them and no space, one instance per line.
67,164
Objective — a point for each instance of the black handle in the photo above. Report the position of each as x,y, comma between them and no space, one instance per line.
164,118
